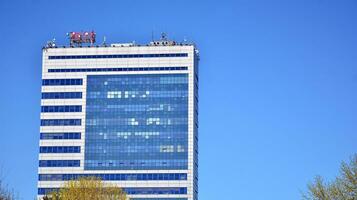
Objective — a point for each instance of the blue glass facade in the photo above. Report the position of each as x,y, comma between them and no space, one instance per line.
61,95
149,190
136,122
56,82
115,177
60,149
61,122
117,69
118,56
61,108
59,163
60,136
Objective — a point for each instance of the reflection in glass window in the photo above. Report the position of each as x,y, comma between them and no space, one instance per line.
136,122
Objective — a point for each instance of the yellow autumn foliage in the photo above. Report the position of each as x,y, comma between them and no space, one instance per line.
344,187
88,188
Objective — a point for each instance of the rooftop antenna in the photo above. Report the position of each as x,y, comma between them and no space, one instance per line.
152,35
163,36
51,44
104,41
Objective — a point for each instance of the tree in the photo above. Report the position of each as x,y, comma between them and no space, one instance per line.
5,192
88,188
343,187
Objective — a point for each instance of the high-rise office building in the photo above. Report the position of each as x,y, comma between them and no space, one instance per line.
125,113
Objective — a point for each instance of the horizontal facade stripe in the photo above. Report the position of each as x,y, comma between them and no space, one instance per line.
57,82
61,122
117,56
118,69
60,149
60,136
69,108
59,163
116,177
61,95
133,191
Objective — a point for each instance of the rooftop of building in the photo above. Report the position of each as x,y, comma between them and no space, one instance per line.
87,40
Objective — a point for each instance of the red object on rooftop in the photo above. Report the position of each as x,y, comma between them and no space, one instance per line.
79,38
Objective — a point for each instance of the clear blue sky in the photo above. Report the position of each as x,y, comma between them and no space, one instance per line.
278,84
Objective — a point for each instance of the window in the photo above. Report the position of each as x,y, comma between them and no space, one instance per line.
43,191
59,163
155,190
117,69
133,191
56,82
145,113
60,149
60,122
61,95
118,56
105,177
60,136
45,109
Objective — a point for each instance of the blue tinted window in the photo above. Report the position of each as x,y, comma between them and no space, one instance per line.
60,136
55,82
110,177
61,109
61,95
60,122
139,121
43,191
118,56
118,69
133,191
60,149
59,163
